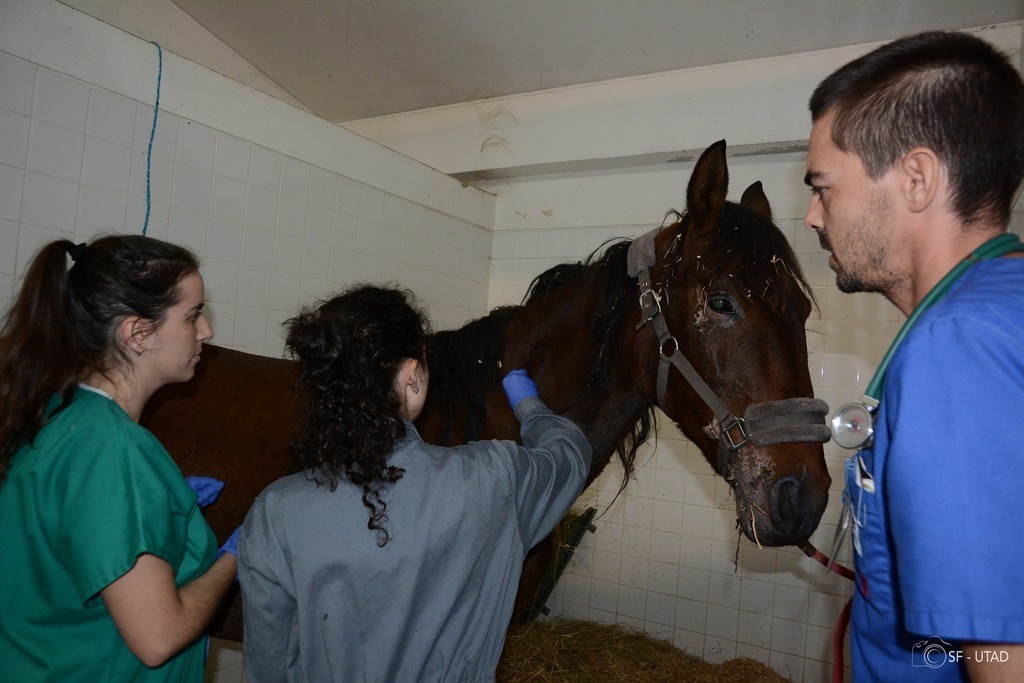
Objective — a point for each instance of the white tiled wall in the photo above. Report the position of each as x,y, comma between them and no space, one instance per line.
273,232
666,556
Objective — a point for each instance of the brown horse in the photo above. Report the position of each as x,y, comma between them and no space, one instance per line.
722,278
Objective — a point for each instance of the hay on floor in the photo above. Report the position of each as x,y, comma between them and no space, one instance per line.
569,651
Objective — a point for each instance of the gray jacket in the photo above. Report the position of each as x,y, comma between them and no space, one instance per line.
324,603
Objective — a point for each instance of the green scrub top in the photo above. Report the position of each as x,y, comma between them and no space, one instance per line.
78,506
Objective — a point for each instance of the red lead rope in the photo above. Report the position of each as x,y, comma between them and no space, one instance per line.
844,617
818,556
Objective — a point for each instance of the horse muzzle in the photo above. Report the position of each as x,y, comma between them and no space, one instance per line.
777,512
789,420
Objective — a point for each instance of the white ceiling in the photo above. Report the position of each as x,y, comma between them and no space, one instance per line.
345,60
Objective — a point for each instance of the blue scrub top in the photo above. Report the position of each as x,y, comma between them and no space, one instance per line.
939,526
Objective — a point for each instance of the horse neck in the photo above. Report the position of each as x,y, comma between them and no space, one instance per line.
595,386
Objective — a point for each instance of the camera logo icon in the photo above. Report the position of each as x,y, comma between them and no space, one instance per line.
931,653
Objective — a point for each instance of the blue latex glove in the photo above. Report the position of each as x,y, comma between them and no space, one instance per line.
230,545
518,385
206,488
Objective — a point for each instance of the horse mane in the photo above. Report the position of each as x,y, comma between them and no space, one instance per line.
606,276
471,358
471,355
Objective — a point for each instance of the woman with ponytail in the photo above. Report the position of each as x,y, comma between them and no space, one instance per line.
107,569
387,558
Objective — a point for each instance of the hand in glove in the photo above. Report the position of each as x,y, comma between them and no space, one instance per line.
230,545
518,385
207,489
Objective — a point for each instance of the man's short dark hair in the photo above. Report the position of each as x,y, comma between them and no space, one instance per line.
951,92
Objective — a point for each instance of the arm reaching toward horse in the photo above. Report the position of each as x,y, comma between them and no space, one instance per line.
551,469
156,618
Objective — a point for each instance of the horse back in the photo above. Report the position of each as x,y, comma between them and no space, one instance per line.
233,420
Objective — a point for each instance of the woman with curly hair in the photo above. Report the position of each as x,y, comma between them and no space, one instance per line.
108,571
387,558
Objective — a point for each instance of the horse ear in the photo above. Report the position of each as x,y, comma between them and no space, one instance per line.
709,183
754,198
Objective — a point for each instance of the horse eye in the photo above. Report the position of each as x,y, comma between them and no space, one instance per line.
721,304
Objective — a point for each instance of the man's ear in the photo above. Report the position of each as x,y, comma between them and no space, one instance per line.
922,176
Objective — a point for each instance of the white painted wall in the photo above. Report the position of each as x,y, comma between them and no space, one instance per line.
614,124
282,207
182,35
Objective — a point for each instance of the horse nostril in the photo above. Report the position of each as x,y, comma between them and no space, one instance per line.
785,502
796,504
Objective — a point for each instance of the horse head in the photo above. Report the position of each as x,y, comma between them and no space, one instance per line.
733,302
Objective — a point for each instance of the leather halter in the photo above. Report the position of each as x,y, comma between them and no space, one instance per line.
783,421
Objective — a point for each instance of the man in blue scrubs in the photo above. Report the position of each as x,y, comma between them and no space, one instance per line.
915,155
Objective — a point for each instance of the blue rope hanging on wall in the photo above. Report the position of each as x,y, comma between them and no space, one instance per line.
152,134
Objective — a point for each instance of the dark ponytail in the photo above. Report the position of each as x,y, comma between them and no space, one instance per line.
63,322
350,350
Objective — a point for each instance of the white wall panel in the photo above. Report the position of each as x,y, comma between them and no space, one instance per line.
294,211
75,46
756,104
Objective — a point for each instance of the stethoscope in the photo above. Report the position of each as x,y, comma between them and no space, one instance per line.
853,424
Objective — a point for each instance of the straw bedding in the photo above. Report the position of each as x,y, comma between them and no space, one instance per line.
578,651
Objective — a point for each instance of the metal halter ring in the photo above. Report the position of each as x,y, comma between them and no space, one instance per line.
661,349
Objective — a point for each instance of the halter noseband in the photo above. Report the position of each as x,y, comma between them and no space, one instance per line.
762,424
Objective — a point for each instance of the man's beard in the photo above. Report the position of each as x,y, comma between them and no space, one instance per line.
873,249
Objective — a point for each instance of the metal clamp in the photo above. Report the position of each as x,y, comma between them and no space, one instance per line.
726,426
648,311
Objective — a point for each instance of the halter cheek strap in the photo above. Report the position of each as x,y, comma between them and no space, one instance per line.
771,422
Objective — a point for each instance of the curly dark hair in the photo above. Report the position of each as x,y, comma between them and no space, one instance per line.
350,350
